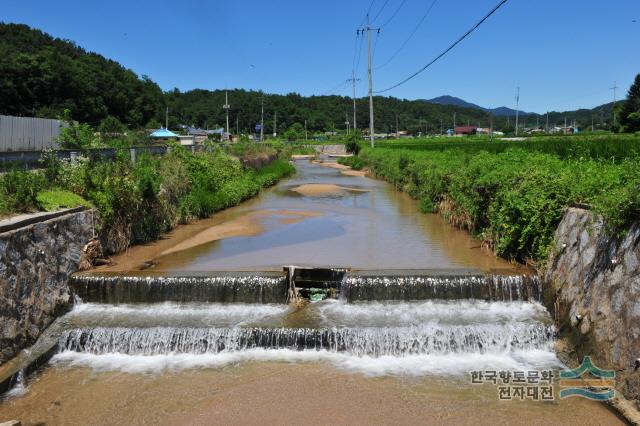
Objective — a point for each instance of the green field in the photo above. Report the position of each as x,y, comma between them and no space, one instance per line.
606,146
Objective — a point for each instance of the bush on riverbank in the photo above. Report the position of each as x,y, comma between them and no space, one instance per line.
138,202
354,162
512,200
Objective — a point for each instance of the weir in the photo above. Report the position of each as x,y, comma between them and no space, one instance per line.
304,282
379,315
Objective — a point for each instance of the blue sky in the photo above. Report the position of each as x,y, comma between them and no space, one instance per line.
563,54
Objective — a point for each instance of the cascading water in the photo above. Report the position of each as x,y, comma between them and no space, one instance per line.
404,324
448,287
147,289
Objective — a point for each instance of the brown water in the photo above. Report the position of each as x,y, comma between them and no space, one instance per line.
320,217
278,393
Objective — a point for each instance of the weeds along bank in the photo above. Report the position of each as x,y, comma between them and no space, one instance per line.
138,201
512,200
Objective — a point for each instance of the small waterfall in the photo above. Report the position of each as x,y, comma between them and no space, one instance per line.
449,287
359,341
139,289
18,385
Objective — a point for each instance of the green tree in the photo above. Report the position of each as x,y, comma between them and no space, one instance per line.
630,110
74,135
295,132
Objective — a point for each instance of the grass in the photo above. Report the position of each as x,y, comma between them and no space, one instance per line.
354,162
56,199
512,200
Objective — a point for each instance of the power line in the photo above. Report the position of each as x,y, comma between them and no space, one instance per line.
394,13
380,11
337,88
448,49
402,46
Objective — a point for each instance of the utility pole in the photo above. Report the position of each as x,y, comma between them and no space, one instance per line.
262,121
275,124
614,88
305,130
454,121
517,108
166,119
353,80
346,121
368,29
441,126
226,106
397,128
547,128
237,125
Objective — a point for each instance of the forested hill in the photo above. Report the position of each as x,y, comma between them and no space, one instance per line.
42,76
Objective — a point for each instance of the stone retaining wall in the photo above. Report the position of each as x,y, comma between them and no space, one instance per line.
594,292
36,260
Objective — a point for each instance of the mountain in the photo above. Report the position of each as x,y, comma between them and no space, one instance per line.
452,100
43,76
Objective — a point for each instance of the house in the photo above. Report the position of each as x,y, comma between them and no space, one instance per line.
163,134
465,130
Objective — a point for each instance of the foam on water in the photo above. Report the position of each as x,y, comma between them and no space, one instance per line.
174,314
392,313
414,365
361,341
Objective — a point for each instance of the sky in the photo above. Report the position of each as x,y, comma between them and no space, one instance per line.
563,54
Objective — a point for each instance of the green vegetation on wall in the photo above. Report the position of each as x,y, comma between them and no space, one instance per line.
512,200
138,202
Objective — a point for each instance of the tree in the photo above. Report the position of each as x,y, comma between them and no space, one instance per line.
353,142
74,135
630,110
294,132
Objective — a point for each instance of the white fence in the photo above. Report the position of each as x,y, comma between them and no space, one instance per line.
28,134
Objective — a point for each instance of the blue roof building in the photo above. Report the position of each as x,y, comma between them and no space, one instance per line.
163,133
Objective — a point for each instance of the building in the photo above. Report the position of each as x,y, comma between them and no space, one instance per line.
465,130
163,134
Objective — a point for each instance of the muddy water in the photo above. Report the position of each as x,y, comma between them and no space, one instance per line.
278,393
320,217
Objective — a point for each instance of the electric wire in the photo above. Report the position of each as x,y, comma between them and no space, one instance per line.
447,50
394,14
415,30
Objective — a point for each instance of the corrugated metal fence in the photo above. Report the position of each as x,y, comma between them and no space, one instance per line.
28,134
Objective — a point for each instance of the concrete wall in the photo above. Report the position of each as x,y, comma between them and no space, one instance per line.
330,149
594,290
36,260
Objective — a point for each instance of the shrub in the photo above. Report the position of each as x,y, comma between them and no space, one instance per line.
18,190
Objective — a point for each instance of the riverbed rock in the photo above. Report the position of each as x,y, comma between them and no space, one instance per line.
594,280
35,263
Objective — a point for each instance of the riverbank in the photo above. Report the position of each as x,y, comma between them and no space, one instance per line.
137,200
512,201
